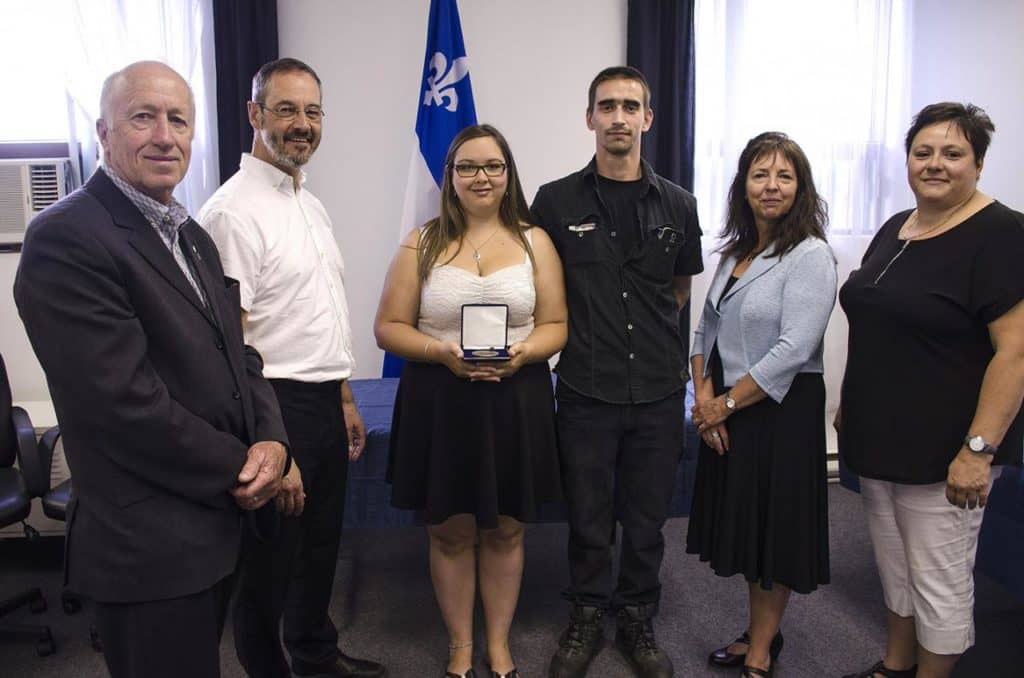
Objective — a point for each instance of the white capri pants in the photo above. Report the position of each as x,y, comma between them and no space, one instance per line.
925,547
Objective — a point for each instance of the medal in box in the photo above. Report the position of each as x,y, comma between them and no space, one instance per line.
485,332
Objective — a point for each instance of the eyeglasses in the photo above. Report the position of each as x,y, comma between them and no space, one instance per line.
287,112
468,170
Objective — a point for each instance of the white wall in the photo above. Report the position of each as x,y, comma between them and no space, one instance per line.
973,52
531,62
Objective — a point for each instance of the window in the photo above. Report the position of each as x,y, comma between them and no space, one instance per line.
32,39
831,75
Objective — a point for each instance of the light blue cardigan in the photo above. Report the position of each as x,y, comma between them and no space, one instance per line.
772,322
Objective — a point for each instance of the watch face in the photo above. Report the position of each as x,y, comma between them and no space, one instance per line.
976,444
730,403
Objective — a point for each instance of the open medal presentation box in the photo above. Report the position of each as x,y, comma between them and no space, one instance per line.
485,332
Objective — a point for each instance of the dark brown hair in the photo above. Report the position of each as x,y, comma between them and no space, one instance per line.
618,73
973,123
450,225
807,218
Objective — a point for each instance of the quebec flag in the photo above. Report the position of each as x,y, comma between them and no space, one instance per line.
444,107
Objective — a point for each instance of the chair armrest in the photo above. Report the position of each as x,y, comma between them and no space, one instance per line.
37,476
47,446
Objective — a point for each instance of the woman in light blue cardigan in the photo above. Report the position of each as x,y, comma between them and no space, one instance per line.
760,504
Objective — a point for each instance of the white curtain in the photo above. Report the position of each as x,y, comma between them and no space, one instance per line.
106,35
834,77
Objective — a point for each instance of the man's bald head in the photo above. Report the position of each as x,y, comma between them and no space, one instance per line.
139,69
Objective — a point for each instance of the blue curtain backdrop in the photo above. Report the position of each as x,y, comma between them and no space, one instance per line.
659,42
245,38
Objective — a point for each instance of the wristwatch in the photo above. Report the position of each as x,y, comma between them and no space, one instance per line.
730,402
979,445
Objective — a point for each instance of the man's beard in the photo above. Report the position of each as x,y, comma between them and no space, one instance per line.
279,149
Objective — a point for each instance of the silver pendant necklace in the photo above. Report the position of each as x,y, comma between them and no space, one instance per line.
476,250
919,236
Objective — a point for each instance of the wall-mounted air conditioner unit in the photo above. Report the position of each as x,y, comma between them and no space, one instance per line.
27,187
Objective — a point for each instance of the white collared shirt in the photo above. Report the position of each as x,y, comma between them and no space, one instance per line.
277,242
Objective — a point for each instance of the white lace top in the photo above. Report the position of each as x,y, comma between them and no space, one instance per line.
449,287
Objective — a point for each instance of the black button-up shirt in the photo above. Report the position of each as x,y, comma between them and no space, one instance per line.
624,344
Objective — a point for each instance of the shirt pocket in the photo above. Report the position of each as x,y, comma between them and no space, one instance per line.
663,242
581,234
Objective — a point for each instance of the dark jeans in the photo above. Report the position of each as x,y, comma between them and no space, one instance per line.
617,460
165,638
292,575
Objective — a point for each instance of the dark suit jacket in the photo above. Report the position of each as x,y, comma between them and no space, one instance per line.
157,397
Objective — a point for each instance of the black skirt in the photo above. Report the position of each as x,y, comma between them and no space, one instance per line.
483,448
761,510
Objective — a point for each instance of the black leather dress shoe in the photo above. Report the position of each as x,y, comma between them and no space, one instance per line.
343,667
722,656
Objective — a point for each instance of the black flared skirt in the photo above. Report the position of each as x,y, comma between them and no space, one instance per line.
483,448
761,510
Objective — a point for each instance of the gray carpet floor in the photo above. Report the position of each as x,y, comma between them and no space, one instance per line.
385,609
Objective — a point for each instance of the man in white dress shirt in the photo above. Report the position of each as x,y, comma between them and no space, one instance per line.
275,238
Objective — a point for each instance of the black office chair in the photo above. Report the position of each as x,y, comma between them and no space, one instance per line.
16,434
36,463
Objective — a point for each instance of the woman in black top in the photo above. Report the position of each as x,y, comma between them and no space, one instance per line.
931,399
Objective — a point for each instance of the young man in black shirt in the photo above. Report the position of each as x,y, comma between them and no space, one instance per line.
629,241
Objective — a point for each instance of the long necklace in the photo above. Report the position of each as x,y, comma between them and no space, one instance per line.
919,236
476,250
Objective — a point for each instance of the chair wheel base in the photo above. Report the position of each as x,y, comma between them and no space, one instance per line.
94,640
70,604
46,647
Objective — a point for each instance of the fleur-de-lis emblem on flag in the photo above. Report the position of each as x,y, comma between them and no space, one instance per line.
441,81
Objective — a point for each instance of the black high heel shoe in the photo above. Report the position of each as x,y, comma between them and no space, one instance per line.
754,672
722,656
468,674
882,670
452,647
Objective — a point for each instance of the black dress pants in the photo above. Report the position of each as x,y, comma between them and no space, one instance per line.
165,638
292,576
617,459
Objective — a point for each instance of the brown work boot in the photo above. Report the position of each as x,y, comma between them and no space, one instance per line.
581,641
634,636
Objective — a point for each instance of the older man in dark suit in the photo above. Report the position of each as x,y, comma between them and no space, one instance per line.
171,432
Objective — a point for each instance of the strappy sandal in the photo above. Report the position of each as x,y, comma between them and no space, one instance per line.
451,649
754,672
881,669
722,656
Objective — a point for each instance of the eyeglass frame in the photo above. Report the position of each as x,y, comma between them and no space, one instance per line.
289,118
476,169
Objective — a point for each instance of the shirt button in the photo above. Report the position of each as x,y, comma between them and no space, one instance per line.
236,395
631,356
625,295
613,234
580,234
629,326
666,249
220,345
